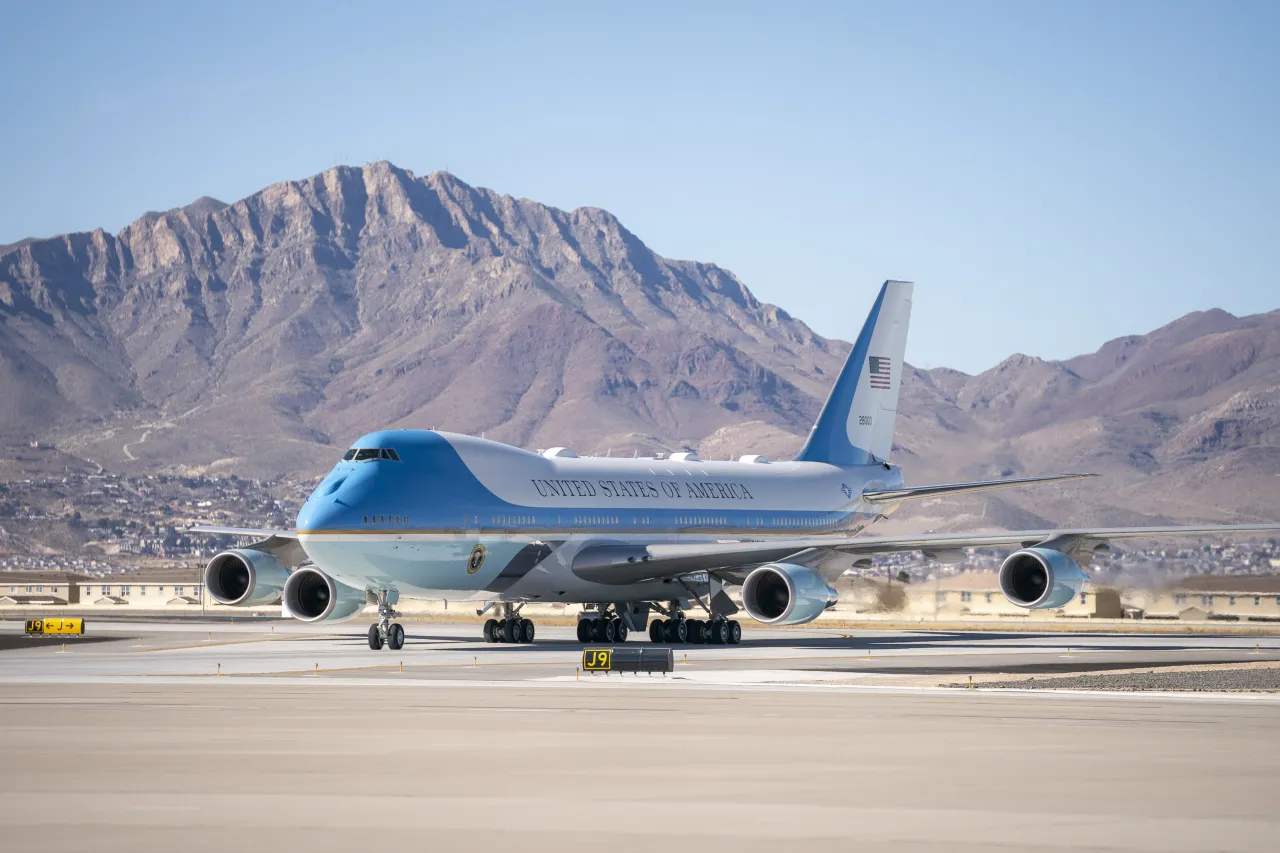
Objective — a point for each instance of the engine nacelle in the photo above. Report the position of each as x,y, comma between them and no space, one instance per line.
313,596
1041,578
786,594
245,577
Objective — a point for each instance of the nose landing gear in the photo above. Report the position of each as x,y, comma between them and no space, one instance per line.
385,631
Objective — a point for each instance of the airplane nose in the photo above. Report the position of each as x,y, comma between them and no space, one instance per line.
323,513
334,504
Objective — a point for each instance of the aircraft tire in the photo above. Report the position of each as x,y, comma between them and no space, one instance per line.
526,630
510,629
680,631
655,631
606,628
620,630
395,637
491,631
719,632
735,632
375,639
584,631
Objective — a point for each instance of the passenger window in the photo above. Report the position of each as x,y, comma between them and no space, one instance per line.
349,455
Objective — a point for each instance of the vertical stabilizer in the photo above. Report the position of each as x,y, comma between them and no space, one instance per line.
856,424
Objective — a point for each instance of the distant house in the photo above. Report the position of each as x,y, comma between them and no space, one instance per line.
146,588
1244,598
25,589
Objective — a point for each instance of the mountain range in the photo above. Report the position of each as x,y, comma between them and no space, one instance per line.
263,336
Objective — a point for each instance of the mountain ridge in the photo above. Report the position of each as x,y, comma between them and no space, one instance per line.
260,335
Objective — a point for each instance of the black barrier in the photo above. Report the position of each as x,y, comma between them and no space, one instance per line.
640,659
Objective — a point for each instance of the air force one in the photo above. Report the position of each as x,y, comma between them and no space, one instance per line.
436,515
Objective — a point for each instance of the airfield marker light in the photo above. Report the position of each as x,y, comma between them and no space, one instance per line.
1068,651
475,662
575,673
317,668
686,657
1257,649
401,666
868,654
219,670
971,682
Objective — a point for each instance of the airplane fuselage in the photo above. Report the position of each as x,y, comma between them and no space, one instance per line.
440,515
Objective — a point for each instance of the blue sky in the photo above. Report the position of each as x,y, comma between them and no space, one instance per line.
1052,175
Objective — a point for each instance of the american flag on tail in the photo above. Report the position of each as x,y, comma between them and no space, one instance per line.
878,367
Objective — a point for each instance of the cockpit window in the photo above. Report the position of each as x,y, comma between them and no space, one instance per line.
365,454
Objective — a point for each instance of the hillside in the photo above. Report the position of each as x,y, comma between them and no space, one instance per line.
261,336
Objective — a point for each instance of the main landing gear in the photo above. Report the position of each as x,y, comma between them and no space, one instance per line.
714,631
386,631
510,628
608,627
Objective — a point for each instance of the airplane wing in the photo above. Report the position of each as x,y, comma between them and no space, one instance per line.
912,493
625,564
281,544
244,531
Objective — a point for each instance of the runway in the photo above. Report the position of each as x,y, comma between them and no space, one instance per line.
286,651
791,738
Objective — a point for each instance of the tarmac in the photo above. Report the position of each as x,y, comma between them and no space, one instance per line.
307,739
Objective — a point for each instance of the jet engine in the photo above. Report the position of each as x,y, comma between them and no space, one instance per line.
1040,578
313,596
786,594
245,577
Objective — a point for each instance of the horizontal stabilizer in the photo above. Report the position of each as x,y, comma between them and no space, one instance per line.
915,493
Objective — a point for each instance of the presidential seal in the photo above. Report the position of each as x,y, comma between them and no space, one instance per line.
476,560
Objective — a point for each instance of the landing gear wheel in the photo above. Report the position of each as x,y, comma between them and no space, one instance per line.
620,630
526,630
719,632
695,631
395,637
735,633
510,627
679,631
606,628
491,631
375,639
655,631
584,631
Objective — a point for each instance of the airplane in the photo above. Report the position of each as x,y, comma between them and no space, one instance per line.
425,514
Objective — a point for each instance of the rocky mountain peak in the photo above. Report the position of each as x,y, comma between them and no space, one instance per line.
262,335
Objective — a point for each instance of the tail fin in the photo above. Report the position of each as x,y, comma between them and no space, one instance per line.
856,424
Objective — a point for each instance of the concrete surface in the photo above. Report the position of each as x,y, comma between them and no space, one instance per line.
792,740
